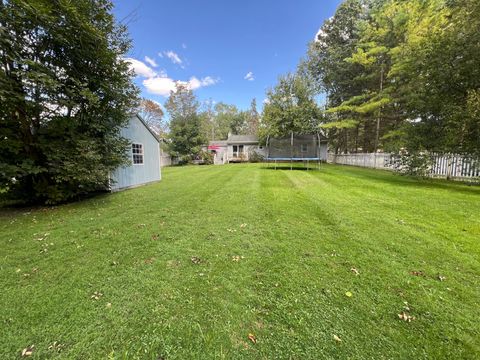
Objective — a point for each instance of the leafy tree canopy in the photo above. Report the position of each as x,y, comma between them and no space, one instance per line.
65,93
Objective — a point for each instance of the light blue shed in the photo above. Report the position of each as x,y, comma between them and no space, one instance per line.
144,152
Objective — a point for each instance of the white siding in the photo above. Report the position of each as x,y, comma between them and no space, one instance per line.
149,171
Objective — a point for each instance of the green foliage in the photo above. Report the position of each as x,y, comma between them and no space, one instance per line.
395,66
417,164
290,107
222,119
206,157
255,157
342,124
186,138
65,93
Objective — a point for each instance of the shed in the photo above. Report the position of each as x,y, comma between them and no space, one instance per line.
144,152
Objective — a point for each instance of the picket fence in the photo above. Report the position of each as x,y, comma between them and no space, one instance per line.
450,166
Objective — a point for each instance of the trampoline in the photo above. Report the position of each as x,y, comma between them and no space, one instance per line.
294,148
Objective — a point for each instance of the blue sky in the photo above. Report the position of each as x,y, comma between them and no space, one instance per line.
228,51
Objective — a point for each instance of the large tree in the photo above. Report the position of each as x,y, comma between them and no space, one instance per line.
290,107
65,93
185,123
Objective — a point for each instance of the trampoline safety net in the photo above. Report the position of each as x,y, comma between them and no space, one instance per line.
294,147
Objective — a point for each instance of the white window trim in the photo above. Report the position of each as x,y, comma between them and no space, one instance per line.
143,154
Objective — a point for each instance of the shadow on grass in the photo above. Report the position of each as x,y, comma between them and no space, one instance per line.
392,178
303,168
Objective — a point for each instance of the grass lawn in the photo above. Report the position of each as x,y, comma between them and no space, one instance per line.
188,267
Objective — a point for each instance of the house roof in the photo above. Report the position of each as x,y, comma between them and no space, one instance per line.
242,139
218,142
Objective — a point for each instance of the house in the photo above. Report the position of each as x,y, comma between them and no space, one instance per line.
144,152
236,148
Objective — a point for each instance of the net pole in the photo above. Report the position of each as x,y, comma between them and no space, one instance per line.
268,152
291,152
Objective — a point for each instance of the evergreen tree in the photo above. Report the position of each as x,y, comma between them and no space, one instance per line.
253,118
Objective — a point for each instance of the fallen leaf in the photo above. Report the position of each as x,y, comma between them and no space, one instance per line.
252,338
243,225
236,258
406,317
96,295
155,236
349,294
355,271
28,351
417,273
441,278
336,338
148,261
196,260
109,305
56,346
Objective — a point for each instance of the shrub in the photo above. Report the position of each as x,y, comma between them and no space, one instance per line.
413,163
255,157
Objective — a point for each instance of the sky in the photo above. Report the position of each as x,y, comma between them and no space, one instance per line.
227,51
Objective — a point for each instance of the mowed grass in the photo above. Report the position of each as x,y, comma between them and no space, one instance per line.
273,253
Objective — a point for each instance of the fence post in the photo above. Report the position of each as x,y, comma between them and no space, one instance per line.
449,166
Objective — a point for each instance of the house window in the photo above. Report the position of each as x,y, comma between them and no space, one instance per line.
137,154
237,150
303,148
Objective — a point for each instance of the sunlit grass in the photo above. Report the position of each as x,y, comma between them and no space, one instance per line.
188,267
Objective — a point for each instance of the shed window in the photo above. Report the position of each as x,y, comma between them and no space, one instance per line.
304,148
137,154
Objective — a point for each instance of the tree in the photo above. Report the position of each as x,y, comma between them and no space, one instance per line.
253,121
63,104
185,123
437,72
222,119
290,107
152,113
326,68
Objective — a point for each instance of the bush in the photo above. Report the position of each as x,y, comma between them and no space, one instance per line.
414,163
206,157
255,157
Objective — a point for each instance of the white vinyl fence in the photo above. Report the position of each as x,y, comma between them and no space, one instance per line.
454,166
167,160
371,160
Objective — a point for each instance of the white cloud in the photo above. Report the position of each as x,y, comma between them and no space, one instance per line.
162,85
160,54
249,76
184,46
173,57
150,61
159,85
140,68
